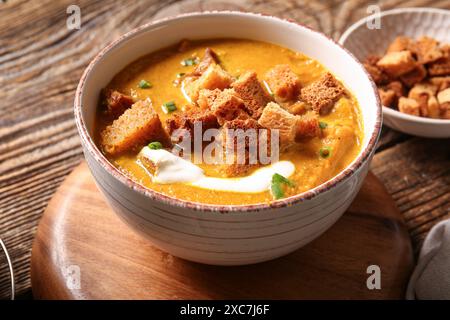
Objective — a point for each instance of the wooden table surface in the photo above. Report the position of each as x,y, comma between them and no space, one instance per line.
41,62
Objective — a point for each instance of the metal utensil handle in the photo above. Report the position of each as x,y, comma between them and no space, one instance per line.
11,270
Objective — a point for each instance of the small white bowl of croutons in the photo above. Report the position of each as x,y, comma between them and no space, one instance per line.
407,53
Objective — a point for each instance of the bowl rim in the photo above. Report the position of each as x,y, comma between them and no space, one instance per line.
93,150
386,110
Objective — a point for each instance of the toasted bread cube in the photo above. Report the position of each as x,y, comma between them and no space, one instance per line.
440,67
378,75
307,126
397,87
228,106
421,89
397,63
400,44
189,119
445,110
426,49
283,82
442,83
214,77
298,108
433,108
444,96
414,76
209,58
206,98
409,106
249,89
387,97
240,140
115,102
134,128
323,93
275,117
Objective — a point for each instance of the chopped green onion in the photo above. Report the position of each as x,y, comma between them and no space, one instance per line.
189,62
275,186
181,74
144,84
325,152
169,107
323,125
155,145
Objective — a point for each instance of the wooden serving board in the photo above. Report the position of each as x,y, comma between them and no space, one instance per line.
79,229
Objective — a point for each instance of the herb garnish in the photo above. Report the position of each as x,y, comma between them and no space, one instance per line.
155,145
169,107
276,185
144,84
325,152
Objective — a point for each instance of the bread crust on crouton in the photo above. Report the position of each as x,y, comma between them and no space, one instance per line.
209,58
400,43
414,76
323,93
214,77
283,82
398,63
188,120
275,117
440,67
137,126
441,82
227,106
426,49
115,103
250,90
307,126
409,106
250,142
387,97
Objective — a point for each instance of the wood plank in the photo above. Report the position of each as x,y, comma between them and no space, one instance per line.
333,266
40,64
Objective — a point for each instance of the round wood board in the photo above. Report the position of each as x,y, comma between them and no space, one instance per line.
80,238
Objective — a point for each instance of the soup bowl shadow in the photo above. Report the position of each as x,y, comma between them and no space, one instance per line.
227,234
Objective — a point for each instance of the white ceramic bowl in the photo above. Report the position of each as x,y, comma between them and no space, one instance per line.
215,234
412,22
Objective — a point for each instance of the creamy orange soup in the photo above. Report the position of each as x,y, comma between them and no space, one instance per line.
341,129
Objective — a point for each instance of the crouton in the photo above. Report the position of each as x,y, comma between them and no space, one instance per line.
235,135
397,87
188,120
433,108
214,77
414,76
444,96
400,44
297,108
387,97
137,126
249,89
283,82
323,93
115,102
440,68
442,83
421,89
206,98
409,106
378,75
275,117
426,49
228,106
398,63
209,58
307,126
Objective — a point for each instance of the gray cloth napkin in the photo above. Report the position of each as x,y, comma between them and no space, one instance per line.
431,277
